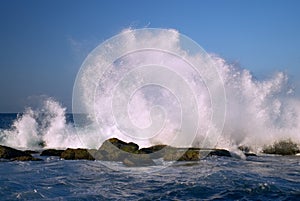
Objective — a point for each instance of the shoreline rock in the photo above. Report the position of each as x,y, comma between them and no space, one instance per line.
76,154
14,154
283,147
52,152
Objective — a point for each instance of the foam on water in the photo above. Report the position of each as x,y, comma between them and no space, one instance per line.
258,112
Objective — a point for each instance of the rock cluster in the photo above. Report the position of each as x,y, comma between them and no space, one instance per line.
117,150
9,153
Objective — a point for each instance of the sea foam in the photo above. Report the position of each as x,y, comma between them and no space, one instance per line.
258,112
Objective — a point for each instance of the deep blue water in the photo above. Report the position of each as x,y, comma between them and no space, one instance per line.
215,178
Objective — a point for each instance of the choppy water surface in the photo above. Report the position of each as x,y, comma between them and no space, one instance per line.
258,178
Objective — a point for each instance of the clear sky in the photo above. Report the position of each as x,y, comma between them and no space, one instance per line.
43,43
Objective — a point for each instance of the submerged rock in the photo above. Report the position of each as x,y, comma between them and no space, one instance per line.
51,152
76,154
14,154
250,154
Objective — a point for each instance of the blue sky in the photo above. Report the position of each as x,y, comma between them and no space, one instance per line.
43,43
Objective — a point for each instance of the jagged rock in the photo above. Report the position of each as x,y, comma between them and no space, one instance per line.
127,147
14,154
190,155
51,152
139,160
152,149
115,150
76,154
155,152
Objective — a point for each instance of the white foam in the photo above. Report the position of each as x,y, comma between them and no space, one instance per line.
258,111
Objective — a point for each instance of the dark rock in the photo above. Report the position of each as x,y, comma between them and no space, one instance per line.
76,154
190,155
31,152
51,152
155,152
138,161
127,147
247,150
244,149
152,149
115,150
110,152
14,154
250,154
26,158
220,152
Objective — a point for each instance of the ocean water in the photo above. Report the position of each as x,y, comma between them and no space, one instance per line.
215,178
257,178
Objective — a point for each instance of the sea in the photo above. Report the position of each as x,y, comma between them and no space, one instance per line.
263,177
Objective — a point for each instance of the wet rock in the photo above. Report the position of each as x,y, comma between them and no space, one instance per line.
155,152
246,150
31,152
181,154
190,155
127,147
51,152
76,154
250,154
26,158
220,152
115,150
14,154
152,149
110,152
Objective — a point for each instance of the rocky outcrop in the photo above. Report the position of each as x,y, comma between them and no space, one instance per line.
121,145
14,154
115,150
283,147
154,152
52,152
76,154
181,154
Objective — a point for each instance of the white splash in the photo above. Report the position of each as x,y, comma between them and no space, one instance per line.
258,112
